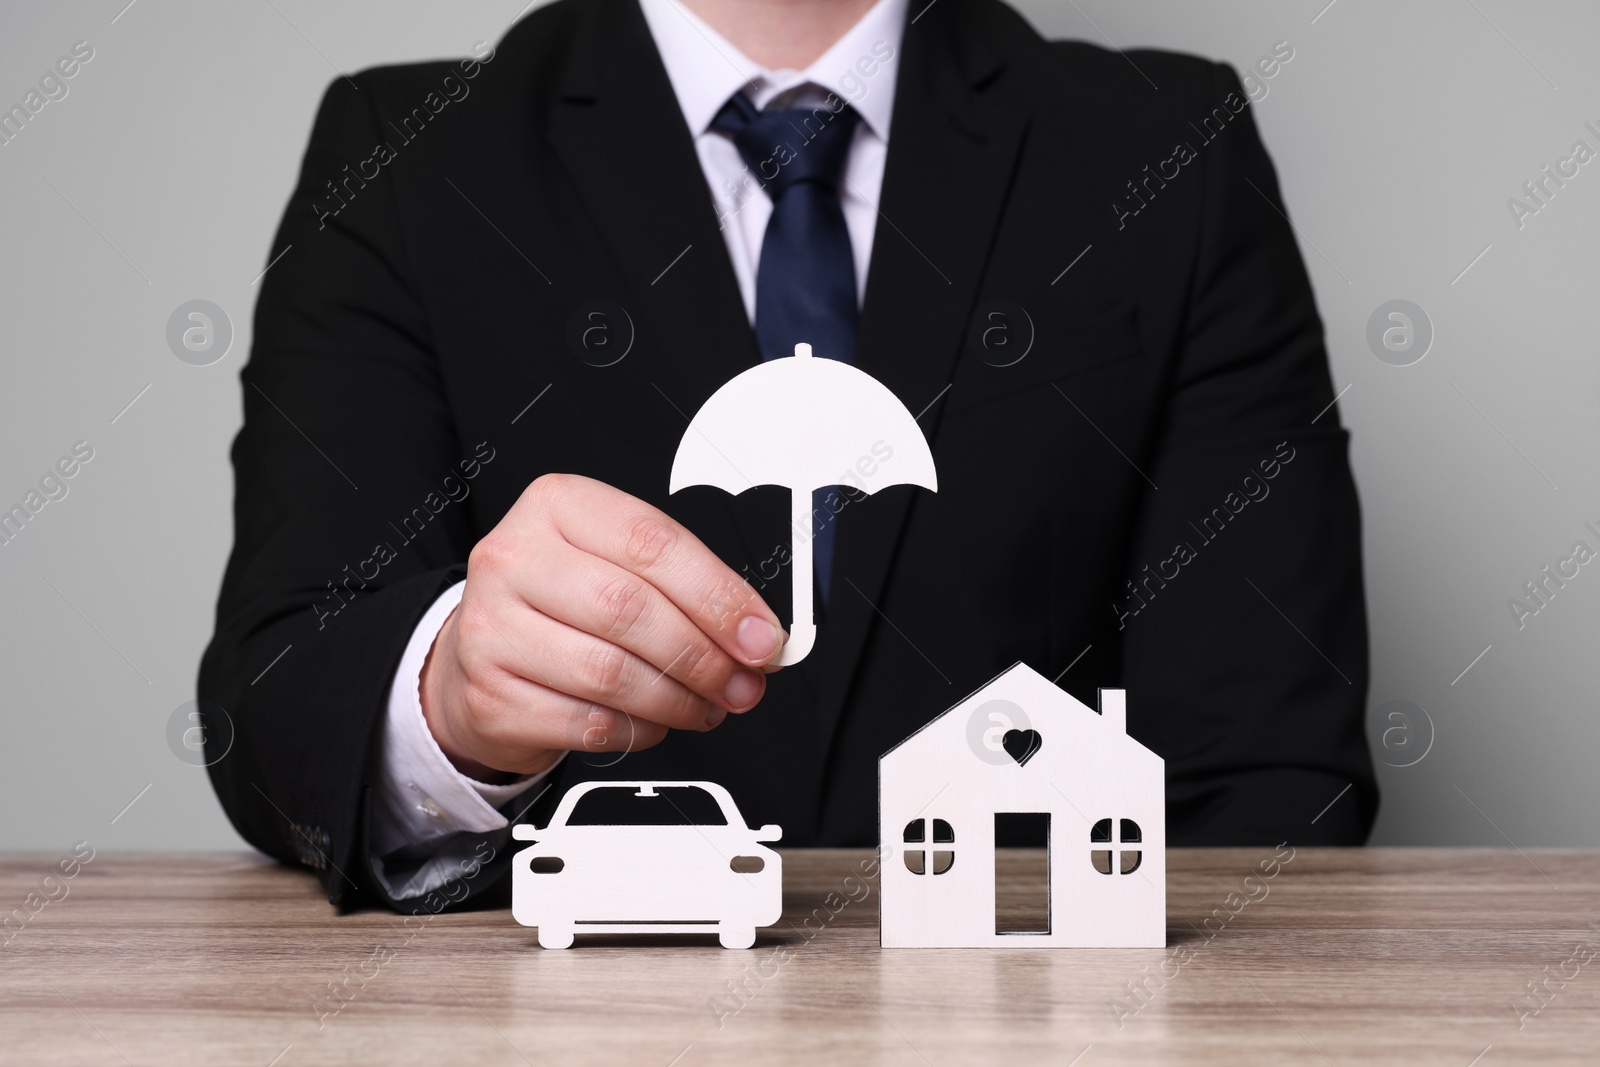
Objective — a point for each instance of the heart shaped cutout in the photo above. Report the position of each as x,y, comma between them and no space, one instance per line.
1022,745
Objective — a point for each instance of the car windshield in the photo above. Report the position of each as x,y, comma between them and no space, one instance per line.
668,805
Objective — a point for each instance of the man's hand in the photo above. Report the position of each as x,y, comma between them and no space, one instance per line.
590,621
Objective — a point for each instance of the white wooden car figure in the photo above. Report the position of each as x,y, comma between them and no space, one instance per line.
647,857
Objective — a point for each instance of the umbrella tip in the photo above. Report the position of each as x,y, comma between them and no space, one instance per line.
802,351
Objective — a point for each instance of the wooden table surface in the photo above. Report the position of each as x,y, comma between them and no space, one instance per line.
1339,957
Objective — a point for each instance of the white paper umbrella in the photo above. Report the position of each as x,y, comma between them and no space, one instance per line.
806,424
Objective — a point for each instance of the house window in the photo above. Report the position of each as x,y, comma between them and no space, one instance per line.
1114,859
917,858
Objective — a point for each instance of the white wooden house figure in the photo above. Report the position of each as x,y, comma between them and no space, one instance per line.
1021,752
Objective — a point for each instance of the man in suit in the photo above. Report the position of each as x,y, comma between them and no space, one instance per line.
459,584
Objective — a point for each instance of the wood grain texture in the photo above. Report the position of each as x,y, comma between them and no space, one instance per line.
1342,957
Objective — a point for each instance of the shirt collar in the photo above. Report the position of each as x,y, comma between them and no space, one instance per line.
705,69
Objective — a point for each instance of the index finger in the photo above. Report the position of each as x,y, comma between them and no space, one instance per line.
606,522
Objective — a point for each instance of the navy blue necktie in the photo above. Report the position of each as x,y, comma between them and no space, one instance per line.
806,281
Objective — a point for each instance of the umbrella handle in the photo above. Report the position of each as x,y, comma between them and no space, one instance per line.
803,631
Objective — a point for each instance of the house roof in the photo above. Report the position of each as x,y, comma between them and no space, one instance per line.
1066,701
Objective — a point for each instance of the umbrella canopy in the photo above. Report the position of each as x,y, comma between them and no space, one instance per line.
804,423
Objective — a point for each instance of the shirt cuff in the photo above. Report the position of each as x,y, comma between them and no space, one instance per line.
421,797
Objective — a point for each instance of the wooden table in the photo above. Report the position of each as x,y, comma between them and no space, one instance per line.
1340,957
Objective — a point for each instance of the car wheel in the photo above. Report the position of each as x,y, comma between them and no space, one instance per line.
555,936
736,936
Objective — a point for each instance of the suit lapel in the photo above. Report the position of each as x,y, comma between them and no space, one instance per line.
619,132
951,158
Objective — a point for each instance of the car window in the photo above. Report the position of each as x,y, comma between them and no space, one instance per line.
669,805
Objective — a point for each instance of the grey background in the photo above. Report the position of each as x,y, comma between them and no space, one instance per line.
1399,130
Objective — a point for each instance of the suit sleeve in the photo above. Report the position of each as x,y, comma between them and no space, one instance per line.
351,512
1250,641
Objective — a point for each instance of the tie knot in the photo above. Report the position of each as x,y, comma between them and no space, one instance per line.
784,147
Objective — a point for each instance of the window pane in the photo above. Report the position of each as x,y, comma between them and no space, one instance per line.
1101,832
915,830
1130,861
1130,832
668,805
942,861
1101,858
914,861
942,834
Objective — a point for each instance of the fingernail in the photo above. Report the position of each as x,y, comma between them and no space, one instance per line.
744,689
714,718
758,638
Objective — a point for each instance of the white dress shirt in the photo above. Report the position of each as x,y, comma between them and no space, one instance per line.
421,799
705,70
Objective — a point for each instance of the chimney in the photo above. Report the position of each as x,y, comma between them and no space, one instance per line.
1114,709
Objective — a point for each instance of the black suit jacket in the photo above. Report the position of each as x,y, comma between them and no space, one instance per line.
1169,425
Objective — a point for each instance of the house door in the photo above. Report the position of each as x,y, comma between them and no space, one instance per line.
1022,872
